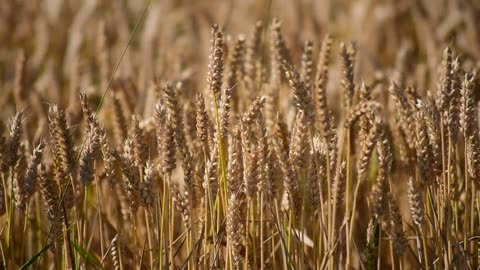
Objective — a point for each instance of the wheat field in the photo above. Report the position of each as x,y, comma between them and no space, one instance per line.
273,134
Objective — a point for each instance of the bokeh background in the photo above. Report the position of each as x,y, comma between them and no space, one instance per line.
56,33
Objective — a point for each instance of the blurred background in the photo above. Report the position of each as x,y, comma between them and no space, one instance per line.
55,33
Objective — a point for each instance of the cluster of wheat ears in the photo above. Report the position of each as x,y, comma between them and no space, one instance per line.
259,168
